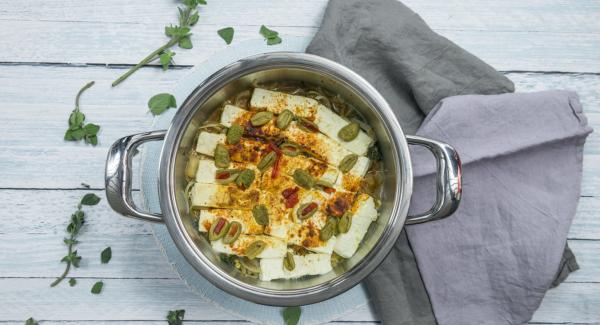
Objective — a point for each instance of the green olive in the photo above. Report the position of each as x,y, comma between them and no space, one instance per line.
307,210
221,156
288,262
290,149
328,230
348,162
284,119
245,178
345,222
255,249
349,132
303,178
307,125
218,229
261,118
234,231
267,160
226,176
234,134
261,214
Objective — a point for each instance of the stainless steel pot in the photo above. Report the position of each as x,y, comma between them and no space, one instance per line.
207,97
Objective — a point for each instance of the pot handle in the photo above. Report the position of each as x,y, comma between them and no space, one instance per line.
118,174
448,180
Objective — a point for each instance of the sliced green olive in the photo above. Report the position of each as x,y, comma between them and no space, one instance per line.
303,178
261,118
328,230
290,149
345,222
266,161
255,249
221,156
307,210
348,162
261,214
307,125
284,119
234,231
323,183
226,176
349,132
288,262
234,134
218,229
245,178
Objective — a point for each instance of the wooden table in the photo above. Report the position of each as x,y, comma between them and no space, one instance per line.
50,48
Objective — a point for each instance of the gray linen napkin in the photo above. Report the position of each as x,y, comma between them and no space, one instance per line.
493,260
413,68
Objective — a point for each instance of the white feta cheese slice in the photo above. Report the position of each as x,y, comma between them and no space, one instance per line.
364,213
206,171
230,114
244,217
310,264
275,248
220,196
207,142
308,237
330,124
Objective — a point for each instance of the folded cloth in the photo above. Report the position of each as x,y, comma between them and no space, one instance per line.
492,261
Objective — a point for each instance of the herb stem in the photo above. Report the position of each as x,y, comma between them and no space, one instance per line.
151,57
67,268
84,88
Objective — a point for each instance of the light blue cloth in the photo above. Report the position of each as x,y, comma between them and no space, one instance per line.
313,314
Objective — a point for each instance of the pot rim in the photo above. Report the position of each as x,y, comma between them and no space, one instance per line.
211,271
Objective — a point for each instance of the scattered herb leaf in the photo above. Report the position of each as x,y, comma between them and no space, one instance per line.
159,103
226,34
175,317
270,35
31,321
106,255
86,185
97,287
291,315
178,34
90,199
72,282
77,129
166,57
73,228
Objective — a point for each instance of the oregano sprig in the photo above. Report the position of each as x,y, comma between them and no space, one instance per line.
178,34
77,220
77,129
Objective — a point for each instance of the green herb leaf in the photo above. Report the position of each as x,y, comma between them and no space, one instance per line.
291,315
90,199
270,35
185,42
176,31
159,103
194,19
97,287
31,321
226,34
106,255
175,317
72,282
77,130
166,58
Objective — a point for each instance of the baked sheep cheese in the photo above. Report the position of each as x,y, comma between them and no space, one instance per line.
244,217
329,123
275,248
364,212
310,264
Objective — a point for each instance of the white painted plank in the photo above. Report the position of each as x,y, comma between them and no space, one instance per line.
116,43
586,224
150,299
515,15
132,299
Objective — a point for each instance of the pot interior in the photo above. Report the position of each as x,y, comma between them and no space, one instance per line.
201,106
